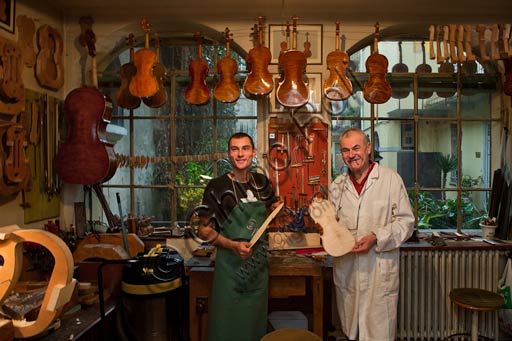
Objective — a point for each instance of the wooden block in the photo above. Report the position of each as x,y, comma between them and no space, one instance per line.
293,240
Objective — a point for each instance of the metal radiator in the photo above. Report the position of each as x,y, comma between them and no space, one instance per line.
425,311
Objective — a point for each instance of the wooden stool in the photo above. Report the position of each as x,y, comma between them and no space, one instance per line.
476,300
291,334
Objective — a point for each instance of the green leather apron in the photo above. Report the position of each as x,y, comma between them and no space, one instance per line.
240,287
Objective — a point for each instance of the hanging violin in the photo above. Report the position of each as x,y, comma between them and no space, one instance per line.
123,97
197,91
227,90
376,90
144,83
259,81
337,86
292,91
160,97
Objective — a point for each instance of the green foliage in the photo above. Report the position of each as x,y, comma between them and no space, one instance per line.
436,213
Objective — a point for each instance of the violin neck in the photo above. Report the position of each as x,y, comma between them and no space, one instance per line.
94,72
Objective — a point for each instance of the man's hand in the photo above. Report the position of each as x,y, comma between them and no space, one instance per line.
364,244
243,249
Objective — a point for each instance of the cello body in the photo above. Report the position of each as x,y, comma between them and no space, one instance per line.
86,157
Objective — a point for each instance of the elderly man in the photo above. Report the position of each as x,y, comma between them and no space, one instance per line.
372,202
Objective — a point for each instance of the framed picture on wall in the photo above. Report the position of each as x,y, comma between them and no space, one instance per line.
309,40
7,15
314,83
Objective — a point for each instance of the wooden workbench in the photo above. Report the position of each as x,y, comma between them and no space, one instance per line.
290,276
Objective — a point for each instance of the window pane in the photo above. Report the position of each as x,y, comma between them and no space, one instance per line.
193,137
192,173
226,128
436,153
475,153
151,137
153,202
242,107
474,208
476,106
435,212
350,107
188,199
111,198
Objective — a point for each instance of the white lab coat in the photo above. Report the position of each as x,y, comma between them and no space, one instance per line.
367,283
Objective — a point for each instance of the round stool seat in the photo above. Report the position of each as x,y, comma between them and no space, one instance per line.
291,334
476,299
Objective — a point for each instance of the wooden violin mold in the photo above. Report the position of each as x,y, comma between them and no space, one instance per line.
49,65
60,285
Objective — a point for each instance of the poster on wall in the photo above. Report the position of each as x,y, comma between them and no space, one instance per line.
7,15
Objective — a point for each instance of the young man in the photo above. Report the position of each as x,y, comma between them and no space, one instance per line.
234,206
371,200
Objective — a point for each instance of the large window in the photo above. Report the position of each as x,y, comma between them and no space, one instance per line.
171,151
435,131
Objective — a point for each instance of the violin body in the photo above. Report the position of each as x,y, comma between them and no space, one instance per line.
292,91
377,90
144,83
259,81
337,87
123,96
227,90
160,97
85,157
197,91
